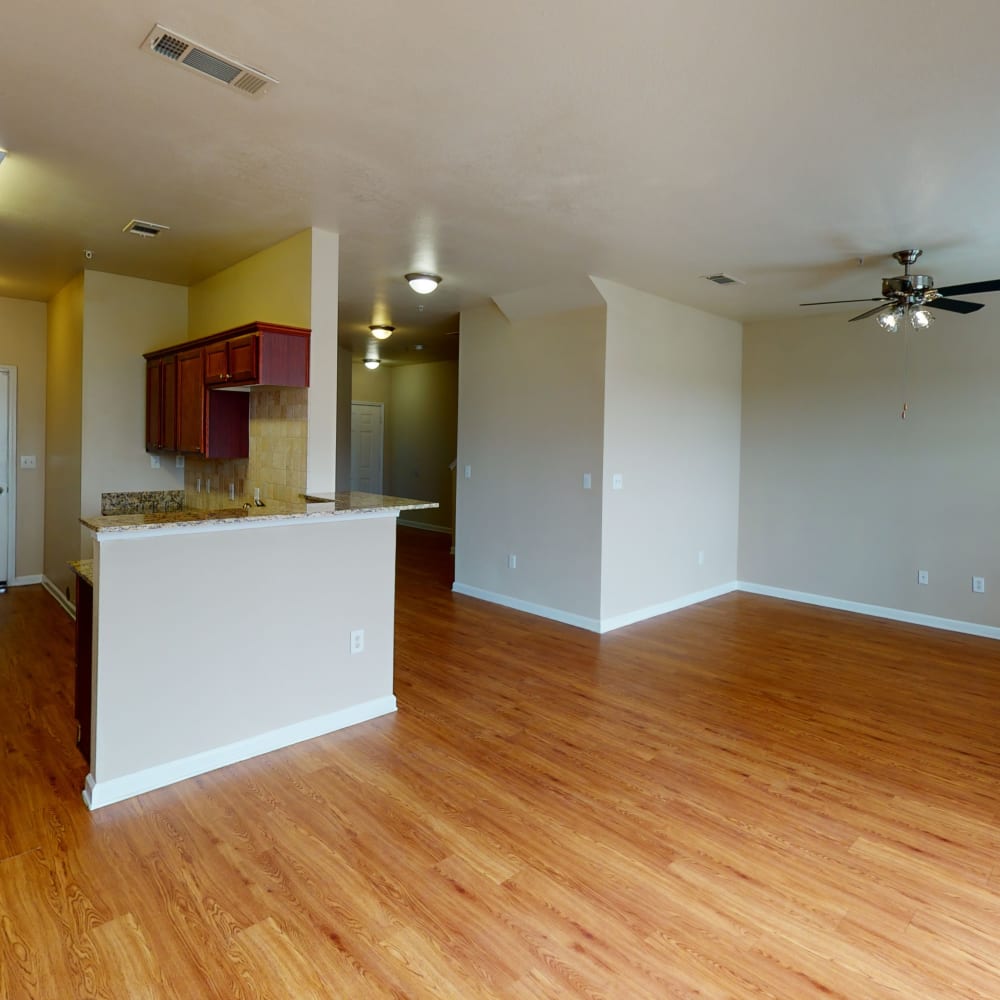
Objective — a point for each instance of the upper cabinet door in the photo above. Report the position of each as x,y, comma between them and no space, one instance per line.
191,401
217,364
243,359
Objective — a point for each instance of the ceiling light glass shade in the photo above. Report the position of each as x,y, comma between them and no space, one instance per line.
381,331
889,321
921,318
423,283
372,363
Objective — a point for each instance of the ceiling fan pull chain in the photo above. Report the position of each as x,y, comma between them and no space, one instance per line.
906,374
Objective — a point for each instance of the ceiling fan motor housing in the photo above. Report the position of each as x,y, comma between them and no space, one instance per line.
910,288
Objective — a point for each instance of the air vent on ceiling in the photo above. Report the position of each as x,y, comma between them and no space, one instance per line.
139,228
169,44
723,279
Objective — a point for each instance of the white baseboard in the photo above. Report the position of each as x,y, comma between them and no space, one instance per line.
25,581
554,614
97,794
443,529
874,610
601,625
68,605
641,614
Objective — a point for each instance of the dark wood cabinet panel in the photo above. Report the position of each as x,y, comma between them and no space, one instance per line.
154,404
243,359
191,401
216,363
84,664
169,387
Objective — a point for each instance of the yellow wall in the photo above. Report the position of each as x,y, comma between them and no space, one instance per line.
63,432
273,286
22,344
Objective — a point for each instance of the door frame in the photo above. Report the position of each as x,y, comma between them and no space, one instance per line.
11,445
381,434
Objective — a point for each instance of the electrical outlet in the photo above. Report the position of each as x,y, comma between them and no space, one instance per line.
154,461
979,584
923,578
512,561
701,557
358,641
179,462
232,491
468,472
617,483
586,480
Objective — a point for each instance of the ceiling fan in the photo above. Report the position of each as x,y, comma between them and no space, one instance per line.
914,295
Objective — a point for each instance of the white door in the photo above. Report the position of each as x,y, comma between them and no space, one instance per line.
366,447
4,472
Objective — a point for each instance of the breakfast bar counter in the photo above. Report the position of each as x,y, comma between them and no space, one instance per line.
220,635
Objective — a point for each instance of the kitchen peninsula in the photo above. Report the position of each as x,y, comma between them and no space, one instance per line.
220,635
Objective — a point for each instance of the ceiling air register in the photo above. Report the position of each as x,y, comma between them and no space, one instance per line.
194,56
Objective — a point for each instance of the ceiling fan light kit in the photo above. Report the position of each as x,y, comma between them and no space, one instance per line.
914,296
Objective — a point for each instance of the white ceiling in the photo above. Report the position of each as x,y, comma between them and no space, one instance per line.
510,146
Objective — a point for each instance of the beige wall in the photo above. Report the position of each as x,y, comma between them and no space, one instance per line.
531,418
23,345
122,319
672,430
843,499
63,433
424,435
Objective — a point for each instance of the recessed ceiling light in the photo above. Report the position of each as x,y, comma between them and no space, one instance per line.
381,331
422,282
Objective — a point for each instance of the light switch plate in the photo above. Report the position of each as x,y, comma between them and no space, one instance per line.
29,462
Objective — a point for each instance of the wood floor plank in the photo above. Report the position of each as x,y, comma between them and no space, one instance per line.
746,798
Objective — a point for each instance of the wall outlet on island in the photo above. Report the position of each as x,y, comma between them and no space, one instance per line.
154,461
358,641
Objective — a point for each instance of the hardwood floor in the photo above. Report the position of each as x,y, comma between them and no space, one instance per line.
746,798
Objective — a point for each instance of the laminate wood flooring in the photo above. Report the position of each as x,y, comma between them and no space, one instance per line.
747,798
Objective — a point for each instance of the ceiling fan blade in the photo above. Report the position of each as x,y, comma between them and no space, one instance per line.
955,305
871,312
972,287
837,302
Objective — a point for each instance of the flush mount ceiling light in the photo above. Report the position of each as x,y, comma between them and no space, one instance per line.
422,283
372,363
381,331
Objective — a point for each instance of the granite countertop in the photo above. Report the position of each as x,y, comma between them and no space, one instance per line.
84,569
310,505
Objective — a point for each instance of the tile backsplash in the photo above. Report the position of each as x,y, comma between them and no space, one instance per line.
277,462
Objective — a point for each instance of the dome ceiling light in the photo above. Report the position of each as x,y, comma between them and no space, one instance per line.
382,331
422,282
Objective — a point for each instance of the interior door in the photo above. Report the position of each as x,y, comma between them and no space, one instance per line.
4,472
366,447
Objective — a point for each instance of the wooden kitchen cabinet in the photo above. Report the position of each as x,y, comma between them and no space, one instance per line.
187,410
258,354
161,404
191,401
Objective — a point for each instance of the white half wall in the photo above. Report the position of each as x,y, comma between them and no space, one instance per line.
213,641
